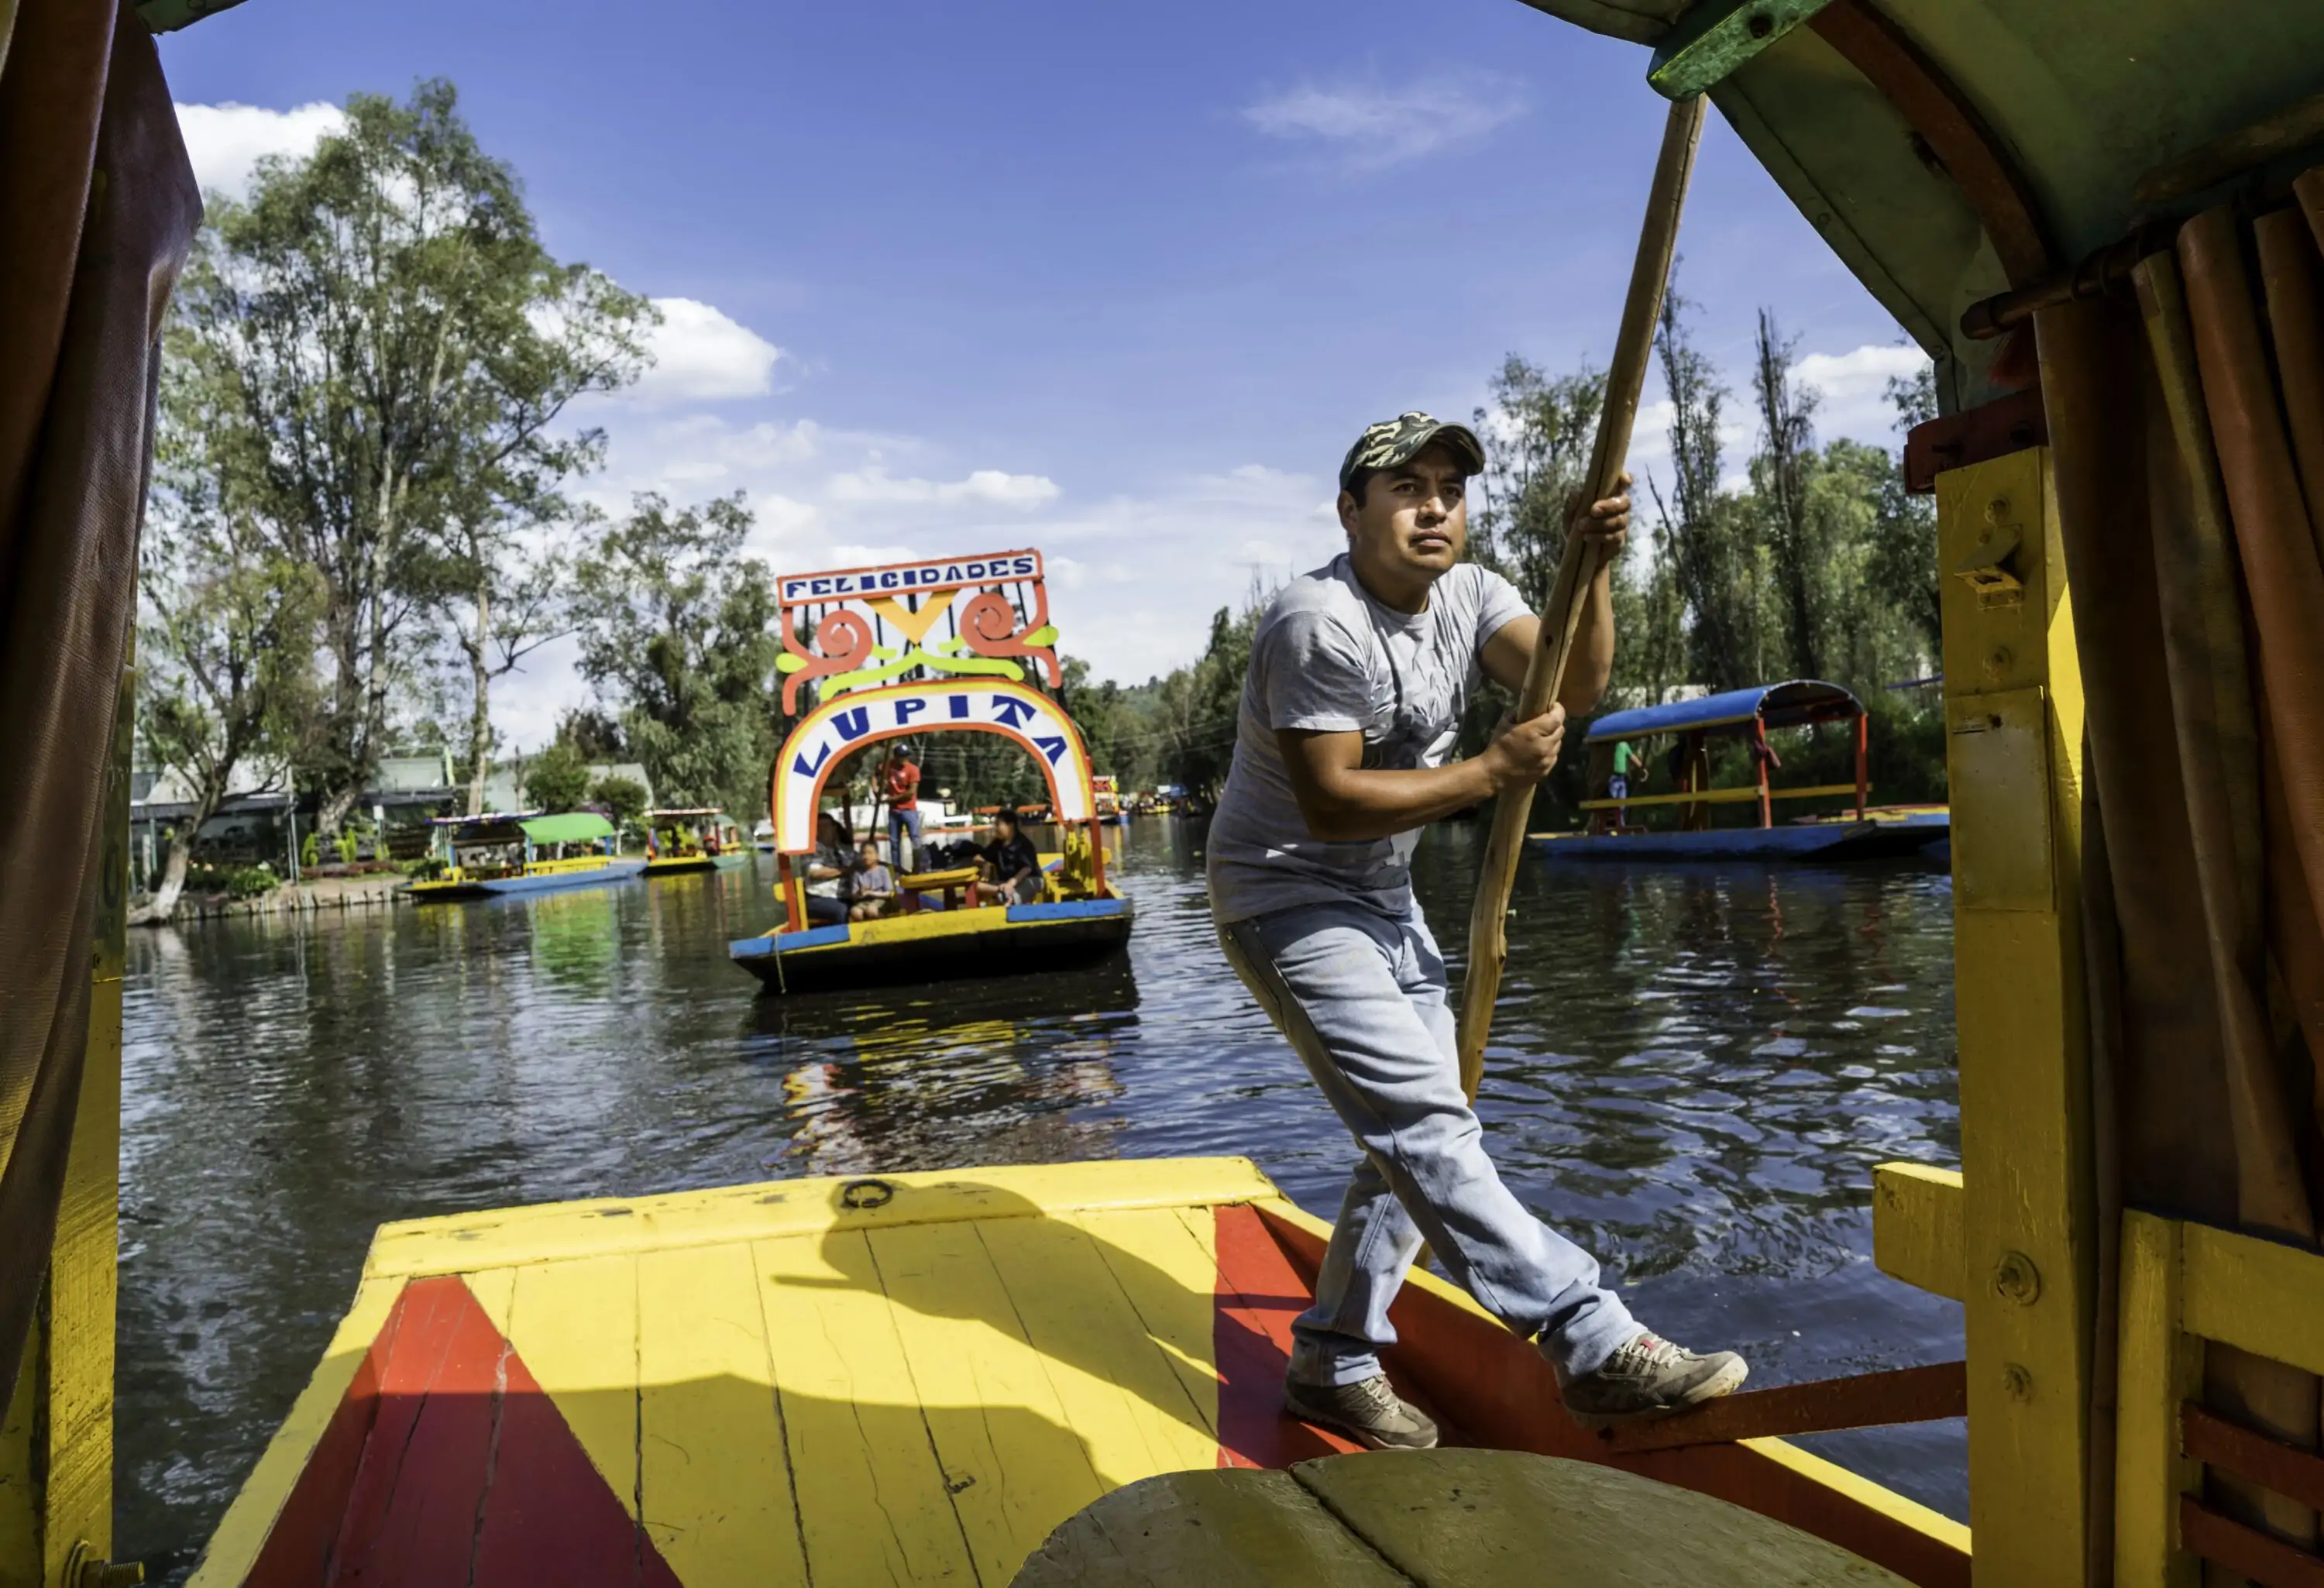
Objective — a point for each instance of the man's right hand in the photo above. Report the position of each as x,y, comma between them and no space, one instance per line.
1526,752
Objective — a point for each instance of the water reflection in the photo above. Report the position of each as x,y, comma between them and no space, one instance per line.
1692,1070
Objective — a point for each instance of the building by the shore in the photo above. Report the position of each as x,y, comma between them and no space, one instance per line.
260,820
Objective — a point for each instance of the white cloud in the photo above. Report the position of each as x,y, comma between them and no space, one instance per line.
1853,389
1851,392
1368,126
873,485
227,142
701,354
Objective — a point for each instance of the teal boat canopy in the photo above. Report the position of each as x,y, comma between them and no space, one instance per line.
1788,705
577,826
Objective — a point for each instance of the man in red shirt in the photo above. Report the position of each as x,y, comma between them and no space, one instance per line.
900,781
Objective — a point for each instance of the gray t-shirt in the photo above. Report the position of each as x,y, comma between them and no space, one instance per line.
1329,657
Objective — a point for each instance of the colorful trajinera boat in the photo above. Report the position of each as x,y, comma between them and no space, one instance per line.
697,838
912,1379
909,1378
479,856
951,645
1677,737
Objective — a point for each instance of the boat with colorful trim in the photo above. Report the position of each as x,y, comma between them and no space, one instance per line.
694,838
872,650
908,1377
480,856
1866,833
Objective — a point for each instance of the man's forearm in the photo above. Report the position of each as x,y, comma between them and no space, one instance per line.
1360,805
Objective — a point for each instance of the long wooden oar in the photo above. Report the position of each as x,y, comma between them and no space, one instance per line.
1489,945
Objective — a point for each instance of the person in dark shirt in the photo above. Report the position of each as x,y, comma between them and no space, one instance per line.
1011,867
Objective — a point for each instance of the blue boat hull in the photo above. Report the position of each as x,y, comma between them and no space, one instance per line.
1818,841
1020,940
555,882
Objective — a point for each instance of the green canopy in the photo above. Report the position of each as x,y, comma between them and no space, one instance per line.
575,826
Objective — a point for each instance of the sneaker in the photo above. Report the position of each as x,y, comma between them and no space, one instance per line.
1649,1378
1371,1413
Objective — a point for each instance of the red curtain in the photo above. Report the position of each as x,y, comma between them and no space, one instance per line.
2187,424
97,207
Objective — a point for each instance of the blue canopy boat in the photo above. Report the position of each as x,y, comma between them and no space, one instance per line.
1864,833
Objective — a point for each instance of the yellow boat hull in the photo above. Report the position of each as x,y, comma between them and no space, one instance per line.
934,945
913,1379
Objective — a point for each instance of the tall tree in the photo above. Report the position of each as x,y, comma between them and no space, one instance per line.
1700,532
679,634
227,630
505,601
1539,429
1904,562
380,348
1787,435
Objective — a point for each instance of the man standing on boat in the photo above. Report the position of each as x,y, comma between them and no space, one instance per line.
900,781
1359,675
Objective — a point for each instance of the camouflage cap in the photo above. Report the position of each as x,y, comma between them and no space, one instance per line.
1398,440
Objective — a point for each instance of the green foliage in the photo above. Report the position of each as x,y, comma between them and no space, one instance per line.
1538,431
1822,565
556,779
622,799
371,357
679,634
310,850
254,882
1197,707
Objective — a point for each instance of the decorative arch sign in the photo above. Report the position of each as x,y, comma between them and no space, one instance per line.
863,628
826,735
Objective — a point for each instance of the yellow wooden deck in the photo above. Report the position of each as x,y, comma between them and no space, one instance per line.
913,1379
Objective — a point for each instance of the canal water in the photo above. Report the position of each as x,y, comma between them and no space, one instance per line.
1693,1071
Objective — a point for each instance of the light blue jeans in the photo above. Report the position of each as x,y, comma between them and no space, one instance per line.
1362,996
901,858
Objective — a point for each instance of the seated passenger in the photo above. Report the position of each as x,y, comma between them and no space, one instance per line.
874,889
1011,866
828,870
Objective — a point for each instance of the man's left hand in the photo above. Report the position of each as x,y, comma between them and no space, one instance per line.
1608,522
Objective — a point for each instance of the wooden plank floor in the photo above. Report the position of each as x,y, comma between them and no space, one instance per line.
677,1394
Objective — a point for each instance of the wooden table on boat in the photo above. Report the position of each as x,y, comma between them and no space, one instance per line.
949,882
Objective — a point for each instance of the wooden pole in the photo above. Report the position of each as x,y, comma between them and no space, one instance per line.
1759,760
1489,945
1863,747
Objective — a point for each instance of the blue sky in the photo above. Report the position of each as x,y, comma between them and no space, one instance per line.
1120,282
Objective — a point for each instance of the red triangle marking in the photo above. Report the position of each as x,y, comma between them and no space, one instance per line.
447,1462
1259,1294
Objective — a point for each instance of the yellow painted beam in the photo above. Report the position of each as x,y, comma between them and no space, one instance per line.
2160,1367
2255,1295
1916,1227
56,1449
873,1502
1725,796
713,1477
2013,707
561,1231
575,1325
1013,1462
1167,1267
1116,1384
